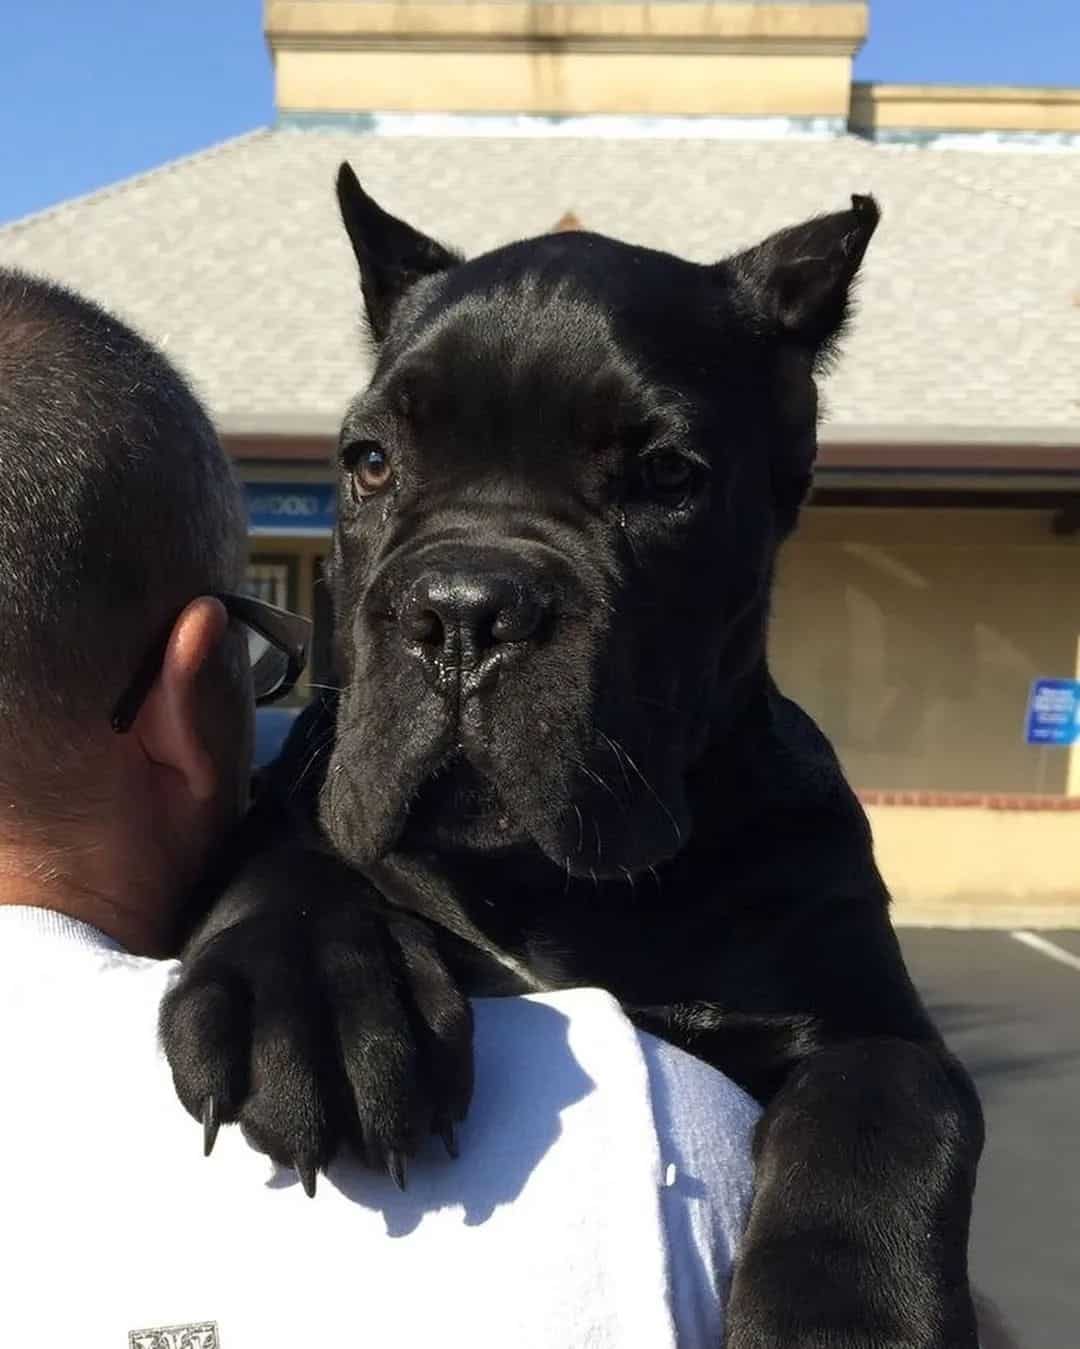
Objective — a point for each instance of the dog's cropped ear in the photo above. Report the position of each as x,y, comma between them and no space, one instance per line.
797,283
392,255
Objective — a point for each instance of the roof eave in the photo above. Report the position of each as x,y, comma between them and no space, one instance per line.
956,450
957,453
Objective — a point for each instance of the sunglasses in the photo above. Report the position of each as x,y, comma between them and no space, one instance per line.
277,645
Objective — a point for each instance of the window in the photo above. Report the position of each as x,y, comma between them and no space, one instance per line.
272,579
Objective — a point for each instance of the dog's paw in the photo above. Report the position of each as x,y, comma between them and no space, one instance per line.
322,1027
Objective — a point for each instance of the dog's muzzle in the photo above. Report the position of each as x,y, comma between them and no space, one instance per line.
464,622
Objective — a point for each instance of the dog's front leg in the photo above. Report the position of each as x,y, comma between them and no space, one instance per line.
857,1239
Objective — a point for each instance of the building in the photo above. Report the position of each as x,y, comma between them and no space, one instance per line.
937,571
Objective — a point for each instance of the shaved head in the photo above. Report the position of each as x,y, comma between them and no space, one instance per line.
117,506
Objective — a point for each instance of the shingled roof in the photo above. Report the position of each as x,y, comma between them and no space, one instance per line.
969,322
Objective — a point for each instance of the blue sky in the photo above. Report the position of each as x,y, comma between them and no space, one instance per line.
96,90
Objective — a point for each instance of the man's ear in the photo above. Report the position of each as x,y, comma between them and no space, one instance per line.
169,726
797,283
392,255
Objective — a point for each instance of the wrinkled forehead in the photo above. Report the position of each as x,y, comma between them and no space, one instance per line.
520,340
533,355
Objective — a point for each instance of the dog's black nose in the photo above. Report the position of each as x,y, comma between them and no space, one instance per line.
463,622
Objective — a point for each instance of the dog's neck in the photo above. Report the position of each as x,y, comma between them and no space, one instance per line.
511,905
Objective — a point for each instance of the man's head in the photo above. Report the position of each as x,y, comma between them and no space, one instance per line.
118,512
560,501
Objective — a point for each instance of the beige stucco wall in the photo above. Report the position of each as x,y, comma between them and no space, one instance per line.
681,58
771,58
541,81
913,636
980,868
898,107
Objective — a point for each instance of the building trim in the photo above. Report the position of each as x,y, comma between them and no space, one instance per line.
949,138
1051,436
542,125
776,59
274,448
1060,498
292,23
931,455
905,435
988,459
928,800
970,115
594,44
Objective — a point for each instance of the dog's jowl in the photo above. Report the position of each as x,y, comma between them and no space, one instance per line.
561,497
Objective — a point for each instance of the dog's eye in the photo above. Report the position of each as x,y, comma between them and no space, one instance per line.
370,467
669,476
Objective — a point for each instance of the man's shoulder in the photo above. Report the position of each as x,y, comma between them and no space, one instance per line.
556,1192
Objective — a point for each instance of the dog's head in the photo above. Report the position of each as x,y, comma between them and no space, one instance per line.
560,499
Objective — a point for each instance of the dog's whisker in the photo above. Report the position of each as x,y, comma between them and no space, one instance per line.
650,789
319,747
618,757
580,830
629,879
595,777
321,744
599,843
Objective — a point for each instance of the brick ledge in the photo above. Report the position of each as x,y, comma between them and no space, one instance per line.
970,800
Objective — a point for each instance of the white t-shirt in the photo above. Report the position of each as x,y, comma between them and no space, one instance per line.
602,1185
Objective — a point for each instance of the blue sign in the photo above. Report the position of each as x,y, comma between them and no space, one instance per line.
1054,712
290,507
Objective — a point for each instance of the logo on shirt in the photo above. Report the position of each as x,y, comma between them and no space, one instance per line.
204,1335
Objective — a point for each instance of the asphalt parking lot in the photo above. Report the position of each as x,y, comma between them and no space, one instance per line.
1011,1011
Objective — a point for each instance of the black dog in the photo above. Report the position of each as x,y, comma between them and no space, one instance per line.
558,759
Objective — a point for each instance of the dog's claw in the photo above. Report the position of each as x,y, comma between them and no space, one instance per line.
396,1165
306,1172
446,1133
210,1125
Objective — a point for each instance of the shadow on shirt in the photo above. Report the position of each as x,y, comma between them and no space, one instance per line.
526,1076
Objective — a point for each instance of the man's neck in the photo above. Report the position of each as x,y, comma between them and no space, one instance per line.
136,921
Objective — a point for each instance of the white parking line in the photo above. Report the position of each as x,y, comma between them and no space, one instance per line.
1048,948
